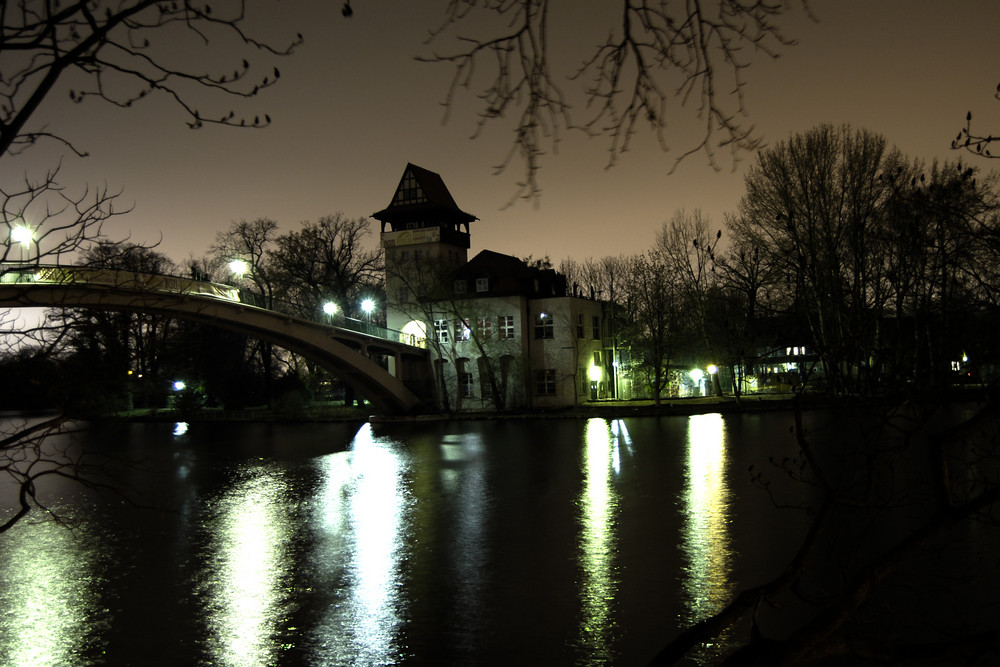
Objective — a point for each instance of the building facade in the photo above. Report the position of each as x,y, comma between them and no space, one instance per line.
503,334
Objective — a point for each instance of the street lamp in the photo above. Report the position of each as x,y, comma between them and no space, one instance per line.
238,267
22,235
330,308
368,306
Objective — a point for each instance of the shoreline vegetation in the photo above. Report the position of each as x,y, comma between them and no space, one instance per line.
727,404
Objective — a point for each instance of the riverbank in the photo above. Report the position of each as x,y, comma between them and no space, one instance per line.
609,409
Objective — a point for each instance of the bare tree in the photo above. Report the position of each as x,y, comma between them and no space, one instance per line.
120,52
246,246
656,58
814,205
687,248
652,304
326,260
61,219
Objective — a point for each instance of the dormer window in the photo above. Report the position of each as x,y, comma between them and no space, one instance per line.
482,284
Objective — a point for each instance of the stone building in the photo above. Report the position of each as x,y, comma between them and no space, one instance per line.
503,334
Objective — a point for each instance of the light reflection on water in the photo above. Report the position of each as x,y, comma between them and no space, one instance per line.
242,587
363,509
396,546
706,542
50,607
598,542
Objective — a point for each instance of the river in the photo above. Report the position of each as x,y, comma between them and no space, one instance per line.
535,541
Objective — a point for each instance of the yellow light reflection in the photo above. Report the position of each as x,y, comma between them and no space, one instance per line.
252,531
706,543
598,544
49,599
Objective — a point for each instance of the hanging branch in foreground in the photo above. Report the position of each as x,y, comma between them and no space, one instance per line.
121,52
656,55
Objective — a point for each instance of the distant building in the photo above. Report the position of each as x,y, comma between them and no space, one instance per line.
503,334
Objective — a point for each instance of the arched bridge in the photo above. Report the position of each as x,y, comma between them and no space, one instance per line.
346,351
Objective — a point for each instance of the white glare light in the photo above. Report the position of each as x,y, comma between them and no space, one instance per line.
238,266
21,235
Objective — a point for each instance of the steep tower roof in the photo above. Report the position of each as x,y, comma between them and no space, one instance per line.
422,197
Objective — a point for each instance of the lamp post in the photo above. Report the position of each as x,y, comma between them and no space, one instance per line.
713,373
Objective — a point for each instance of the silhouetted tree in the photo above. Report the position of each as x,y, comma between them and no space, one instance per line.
814,205
121,52
326,260
687,248
655,58
653,328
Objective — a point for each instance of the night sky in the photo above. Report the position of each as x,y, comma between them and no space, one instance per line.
353,107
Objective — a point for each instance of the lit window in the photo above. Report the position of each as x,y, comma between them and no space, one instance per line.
543,326
462,331
482,284
505,327
441,331
545,382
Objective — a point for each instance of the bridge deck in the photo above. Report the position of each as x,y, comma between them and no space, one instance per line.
343,348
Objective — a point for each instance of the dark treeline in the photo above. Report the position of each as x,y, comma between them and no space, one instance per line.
884,266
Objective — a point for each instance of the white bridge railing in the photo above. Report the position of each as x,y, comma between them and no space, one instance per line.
39,274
